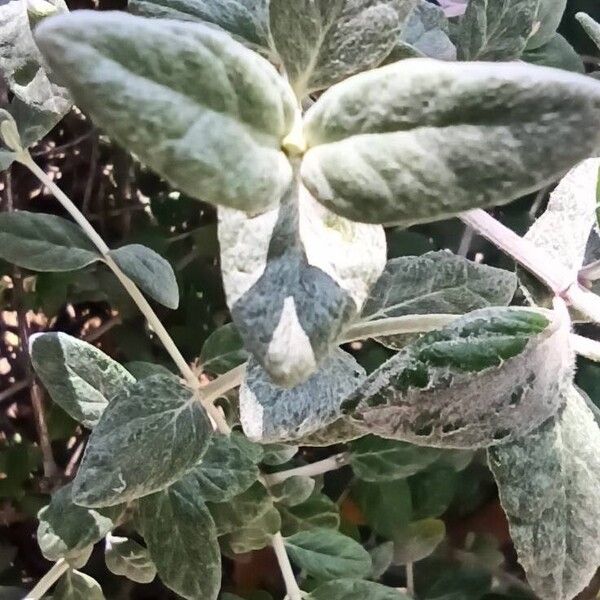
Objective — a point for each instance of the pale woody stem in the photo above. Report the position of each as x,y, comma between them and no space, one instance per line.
291,585
48,580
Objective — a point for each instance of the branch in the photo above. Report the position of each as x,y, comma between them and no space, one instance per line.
586,347
317,468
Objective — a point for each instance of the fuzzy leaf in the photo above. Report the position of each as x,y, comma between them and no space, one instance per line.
463,135
129,559
74,585
354,589
148,437
430,392
223,350
293,491
557,53
318,511
81,379
591,27
418,540
549,15
212,122
253,535
278,454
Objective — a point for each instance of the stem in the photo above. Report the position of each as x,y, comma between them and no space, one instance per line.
317,468
60,567
410,579
590,272
291,585
224,383
586,347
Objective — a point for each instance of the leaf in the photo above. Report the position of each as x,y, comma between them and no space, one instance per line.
277,265
322,42
293,491
418,540
557,53
253,535
270,413
496,30
318,511
141,369
547,20
150,271
182,540
218,141
328,554
74,585
591,27
129,559
381,557
354,589
278,454
437,282
81,379
432,491
42,242
463,135
223,350
430,392
148,437
549,484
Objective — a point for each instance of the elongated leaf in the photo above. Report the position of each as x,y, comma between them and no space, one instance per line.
271,413
590,26
74,585
354,589
294,278
549,484
463,135
557,53
128,558
211,123
148,437
81,379
223,350
430,393
547,20
182,541
150,271
43,242
327,554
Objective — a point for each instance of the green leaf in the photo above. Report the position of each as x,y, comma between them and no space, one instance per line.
328,554
150,271
148,437
271,413
81,379
549,15
430,392
557,53
354,589
381,557
74,585
317,511
549,483
293,491
253,535
182,540
321,42
42,242
212,123
418,540
141,369
591,27
278,454
129,559
432,491
223,350
376,459
463,135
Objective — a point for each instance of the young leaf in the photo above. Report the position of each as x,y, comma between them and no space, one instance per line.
148,437
253,535
557,53
141,369
182,540
80,378
418,540
270,413
74,585
129,559
212,123
432,491
321,42
150,271
293,491
42,242
327,554
354,589
547,20
276,266
590,26
223,350
278,454
463,135
430,393
318,511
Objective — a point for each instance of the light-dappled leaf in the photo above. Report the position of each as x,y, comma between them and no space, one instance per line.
294,490
278,454
211,123
223,350
317,511
182,540
253,535
355,589
376,459
74,585
547,20
294,277
591,27
141,369
327,554
557,53
81,379
418,540
321,42
148,437
462,135
549,483
42,242
150,271
432,392
129,559
271,413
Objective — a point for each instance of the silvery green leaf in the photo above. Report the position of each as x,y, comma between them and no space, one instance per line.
141,369
293,491
211,123
496,30
247,20
318,511
591,27
381,557
557,53
547,20
129,559
355,589
340,431
321,42
150,272
81,379
437,282
182,540
463,135
149,436
549,484
418,540
42,242
430,393
270,413
327,554
253,535
223,350
278,454
294,277
74,585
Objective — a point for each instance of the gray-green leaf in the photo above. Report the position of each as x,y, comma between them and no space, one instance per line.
74,585
148,437
557,53
293,491
223,350
355,589
253,535
418,540
590,26
318,511
129,559
547,20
